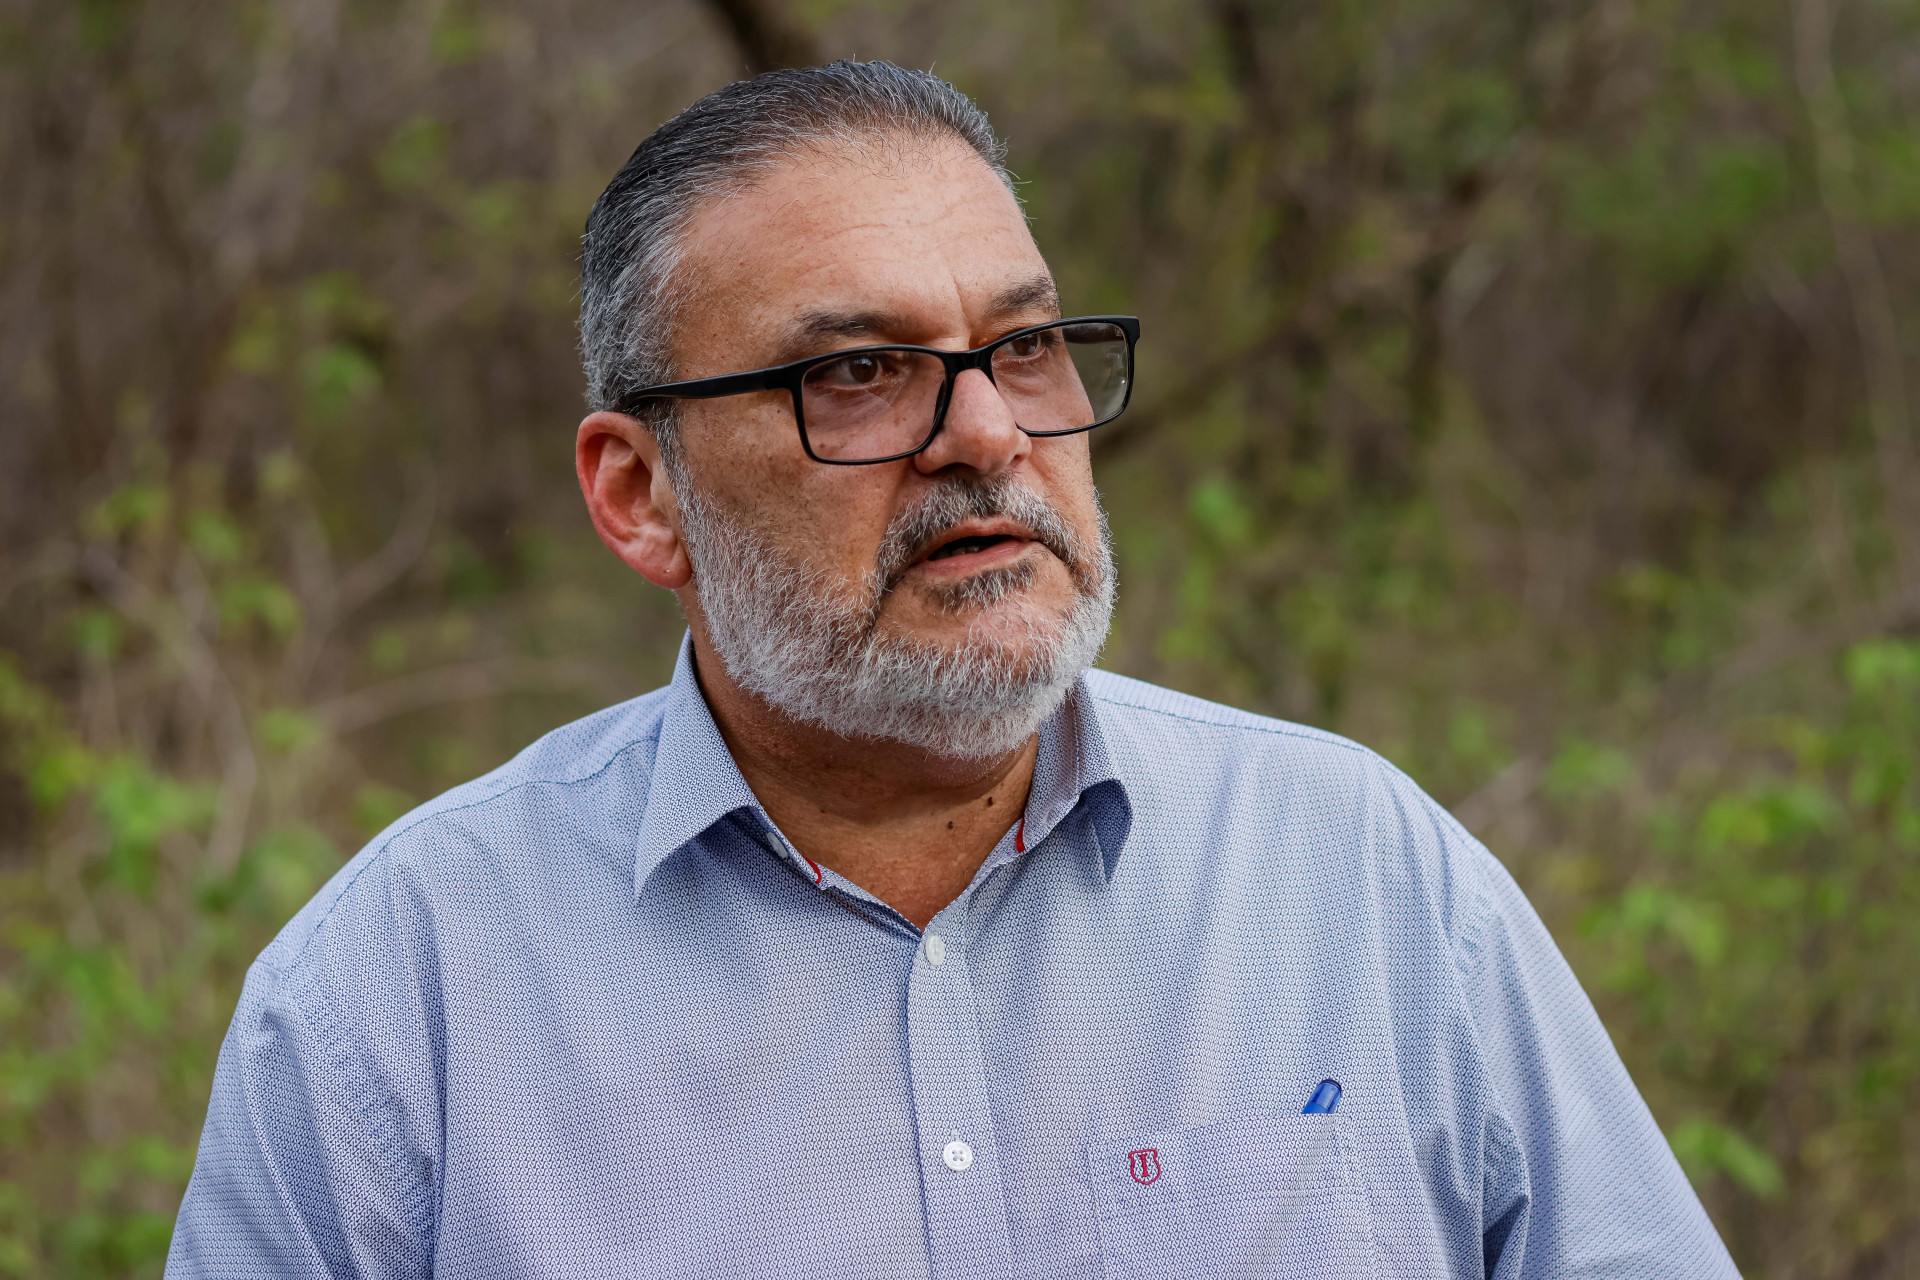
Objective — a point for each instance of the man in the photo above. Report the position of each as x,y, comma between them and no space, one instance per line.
889,940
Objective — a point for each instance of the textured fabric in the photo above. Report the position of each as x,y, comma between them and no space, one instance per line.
592,1016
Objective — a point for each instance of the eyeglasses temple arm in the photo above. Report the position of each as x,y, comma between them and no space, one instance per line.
727,384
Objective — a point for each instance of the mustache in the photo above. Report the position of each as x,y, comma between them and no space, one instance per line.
955,498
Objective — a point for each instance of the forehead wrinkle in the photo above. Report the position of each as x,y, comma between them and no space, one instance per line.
786,193
1036,293
822,325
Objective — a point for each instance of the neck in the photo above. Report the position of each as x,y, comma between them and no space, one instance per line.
909,827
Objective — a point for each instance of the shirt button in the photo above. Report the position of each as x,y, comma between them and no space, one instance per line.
959,1156
936,956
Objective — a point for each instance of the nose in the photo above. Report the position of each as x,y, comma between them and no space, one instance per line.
979,433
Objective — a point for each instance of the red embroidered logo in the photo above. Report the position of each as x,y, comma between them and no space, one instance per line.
1144,1165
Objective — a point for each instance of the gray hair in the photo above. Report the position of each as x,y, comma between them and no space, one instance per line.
813,644
630,257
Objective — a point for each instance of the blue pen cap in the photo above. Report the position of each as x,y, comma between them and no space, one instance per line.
1324,1099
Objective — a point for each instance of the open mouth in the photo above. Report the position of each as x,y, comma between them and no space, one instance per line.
969,545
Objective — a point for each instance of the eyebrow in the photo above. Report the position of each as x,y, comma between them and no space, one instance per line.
1036,293
810,329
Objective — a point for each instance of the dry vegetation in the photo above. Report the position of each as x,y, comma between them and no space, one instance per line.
1526,391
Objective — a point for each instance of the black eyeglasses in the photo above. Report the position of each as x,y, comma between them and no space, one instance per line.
876,404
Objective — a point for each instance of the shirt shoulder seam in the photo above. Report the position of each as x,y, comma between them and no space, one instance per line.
1259,724
375,854
1465,856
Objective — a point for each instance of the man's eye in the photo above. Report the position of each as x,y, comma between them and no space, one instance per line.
854,371
1030,346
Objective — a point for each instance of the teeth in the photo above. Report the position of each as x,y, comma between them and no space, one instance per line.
961,546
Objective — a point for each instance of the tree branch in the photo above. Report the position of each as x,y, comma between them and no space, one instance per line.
1835,164
460,682
765,39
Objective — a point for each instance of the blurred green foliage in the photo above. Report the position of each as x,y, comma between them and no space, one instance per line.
1524,392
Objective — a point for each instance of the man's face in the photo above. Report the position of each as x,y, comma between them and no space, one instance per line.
915,243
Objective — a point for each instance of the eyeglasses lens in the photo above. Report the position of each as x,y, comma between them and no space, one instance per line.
873,404
881,403
1064,379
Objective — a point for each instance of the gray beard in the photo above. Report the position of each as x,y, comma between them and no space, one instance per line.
810,643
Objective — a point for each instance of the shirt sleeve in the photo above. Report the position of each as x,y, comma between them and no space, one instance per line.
1578,1180
302,1170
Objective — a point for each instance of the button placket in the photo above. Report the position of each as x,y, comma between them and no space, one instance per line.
967,1230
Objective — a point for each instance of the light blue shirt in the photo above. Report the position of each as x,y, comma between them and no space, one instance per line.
592,1016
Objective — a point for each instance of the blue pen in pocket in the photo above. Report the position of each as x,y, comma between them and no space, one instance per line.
1324,1099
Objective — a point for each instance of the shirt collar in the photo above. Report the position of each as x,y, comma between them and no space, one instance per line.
695,782
1072,768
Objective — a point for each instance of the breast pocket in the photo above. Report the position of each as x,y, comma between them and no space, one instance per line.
1270,1196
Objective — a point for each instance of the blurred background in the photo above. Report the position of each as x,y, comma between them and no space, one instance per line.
1526,391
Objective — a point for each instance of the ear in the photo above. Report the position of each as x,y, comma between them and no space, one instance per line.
618,462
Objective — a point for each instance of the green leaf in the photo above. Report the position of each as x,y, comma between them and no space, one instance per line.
97,634
287,729
215,537
415,155
1878,668
139,808
130,508
1706,1149
458,36
1217,509
256,598
1583,770
338,377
